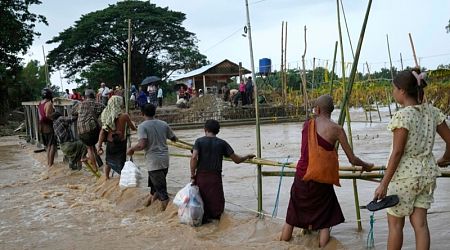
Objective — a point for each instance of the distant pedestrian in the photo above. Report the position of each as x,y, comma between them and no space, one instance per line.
160,96
45,110
242,92
249,90
103,94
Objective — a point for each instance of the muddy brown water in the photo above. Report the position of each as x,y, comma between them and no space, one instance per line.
61,209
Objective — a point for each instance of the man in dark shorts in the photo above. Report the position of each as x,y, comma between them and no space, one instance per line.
45,110
88,125
153,135
206,169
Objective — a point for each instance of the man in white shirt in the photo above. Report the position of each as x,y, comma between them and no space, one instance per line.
160,96
103,93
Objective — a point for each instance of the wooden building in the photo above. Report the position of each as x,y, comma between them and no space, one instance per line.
212,77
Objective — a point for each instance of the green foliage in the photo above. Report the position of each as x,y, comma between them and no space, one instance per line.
17,25
17,29
95,48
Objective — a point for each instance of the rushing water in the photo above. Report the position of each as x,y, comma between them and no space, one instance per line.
61,209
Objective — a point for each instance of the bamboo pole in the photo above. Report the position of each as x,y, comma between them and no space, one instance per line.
365,175
413,49
349,89
313,75
369,99
332,69
255,90
46,68
282,63
392,71
401,61
303,77
355,65
285,57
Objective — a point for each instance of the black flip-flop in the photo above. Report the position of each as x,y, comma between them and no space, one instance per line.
388,201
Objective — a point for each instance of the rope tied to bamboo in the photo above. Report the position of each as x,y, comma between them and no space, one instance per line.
370,238
277,199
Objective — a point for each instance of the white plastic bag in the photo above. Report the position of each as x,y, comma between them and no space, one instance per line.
130,175
190,205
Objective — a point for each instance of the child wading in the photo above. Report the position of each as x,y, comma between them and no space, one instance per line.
314,205
412,170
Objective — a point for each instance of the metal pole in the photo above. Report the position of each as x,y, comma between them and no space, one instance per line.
255,91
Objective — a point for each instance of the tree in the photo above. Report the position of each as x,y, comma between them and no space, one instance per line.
97,44
448,27
17,32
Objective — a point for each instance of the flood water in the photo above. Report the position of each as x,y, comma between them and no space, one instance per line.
61,209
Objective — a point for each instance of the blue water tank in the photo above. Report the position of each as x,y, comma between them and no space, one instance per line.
265,66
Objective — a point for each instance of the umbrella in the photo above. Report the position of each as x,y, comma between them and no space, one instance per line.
150,80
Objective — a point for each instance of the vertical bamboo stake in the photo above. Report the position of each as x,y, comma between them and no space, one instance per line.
332,69
414,50
348,91
401,60
46,68
285,58
282,62
392,71
370,97
313,74
127,85
303,76
255,91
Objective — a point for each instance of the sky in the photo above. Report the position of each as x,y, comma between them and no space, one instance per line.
219,25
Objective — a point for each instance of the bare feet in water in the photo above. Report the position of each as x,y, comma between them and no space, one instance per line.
148,200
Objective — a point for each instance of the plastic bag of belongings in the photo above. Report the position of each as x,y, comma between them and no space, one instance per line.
130,175
190,205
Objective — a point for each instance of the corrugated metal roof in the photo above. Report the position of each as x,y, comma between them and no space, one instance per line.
204,69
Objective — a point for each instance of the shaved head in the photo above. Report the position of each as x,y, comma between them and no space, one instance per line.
325,103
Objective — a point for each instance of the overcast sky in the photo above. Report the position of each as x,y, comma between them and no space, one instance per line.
218,24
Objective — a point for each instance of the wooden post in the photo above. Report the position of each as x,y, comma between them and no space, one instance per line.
204,84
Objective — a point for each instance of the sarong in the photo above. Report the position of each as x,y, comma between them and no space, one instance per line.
313,205
211,191
116,154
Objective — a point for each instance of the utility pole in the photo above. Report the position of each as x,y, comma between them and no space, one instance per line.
255,91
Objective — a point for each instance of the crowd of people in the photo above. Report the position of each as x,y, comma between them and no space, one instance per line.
411,170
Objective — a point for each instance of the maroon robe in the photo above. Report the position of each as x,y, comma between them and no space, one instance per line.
312,205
